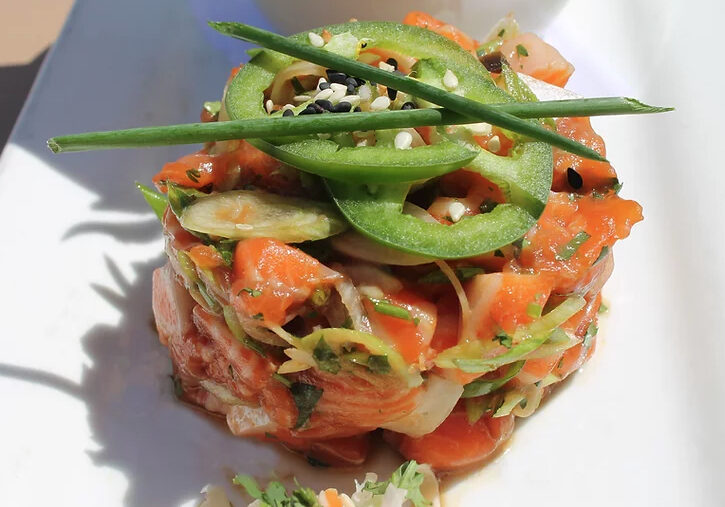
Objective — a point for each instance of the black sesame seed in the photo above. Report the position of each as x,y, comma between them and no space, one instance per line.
336,77
288,112
407,106
359,82
351,81
393,62
324,85
487,205
574,178
350,89
357,109
324,104
342,107
493,61
307,110
317,108
392,93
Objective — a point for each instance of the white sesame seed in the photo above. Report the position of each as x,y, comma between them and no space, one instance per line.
450,81
269,105
324,94
479,129
286,107
302,98
456,210
380,103
337,96
385,66
353,100
403,140
316,40
364,92
337,87
494,144
322,80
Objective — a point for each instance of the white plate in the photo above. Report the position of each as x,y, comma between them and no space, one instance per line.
88,415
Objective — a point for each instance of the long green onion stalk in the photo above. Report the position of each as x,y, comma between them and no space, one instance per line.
339,122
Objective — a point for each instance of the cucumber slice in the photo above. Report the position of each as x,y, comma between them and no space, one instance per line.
242,214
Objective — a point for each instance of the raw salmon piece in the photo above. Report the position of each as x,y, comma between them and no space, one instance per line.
528,54
171,305
425,20
277,277
456,443
605,219
594,174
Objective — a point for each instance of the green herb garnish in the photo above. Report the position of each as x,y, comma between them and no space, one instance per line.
252,292
503,338
305,397
406,477
378,364
193,175
572,246
389,309
192,133
326,358
521,50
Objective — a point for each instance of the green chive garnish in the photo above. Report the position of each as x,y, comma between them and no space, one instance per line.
192,133
572,246
387,308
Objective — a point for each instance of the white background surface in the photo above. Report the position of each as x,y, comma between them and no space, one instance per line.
88,416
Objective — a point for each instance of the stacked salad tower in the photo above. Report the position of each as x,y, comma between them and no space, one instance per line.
384,230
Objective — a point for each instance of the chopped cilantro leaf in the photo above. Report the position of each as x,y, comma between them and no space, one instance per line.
305,397
193,175
378,364
501,32
521,50
258,316
326,359
252,292
504,339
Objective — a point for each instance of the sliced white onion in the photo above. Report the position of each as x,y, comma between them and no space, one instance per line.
222,393
353,303
294,70
356,245
434,405
244,420
370,275
545,91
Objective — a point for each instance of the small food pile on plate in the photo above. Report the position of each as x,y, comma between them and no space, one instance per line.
385,229
410,485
